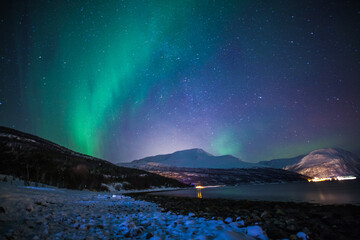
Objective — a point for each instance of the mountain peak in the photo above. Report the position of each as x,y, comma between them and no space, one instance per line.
195,151
193,158
327,162
332,150
324,162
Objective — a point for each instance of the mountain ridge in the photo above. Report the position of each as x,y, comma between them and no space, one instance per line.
327,162
308,164
282,162
192,158
32,158
201,168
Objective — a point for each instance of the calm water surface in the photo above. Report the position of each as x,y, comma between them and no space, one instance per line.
334,192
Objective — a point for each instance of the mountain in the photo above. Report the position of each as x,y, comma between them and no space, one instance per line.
281,162
201,168
328,162
229,177
191,158
32,158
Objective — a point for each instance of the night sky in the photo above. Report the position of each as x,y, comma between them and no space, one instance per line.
121,80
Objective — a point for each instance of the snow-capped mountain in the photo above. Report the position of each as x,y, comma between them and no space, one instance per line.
328,162
201,168
192,158
281,162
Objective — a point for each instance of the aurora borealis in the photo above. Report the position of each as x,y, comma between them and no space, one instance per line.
121,80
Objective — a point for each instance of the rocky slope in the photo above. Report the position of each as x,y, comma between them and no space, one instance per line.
229,177
35,159
329,162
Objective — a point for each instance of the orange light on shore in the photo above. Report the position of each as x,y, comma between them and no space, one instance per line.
338,178
199,187
316,179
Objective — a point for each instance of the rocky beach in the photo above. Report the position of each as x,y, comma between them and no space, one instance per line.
33,212
280,220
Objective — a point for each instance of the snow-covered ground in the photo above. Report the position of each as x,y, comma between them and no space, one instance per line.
29,212
112,188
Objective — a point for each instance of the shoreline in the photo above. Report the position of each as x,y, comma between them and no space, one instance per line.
331,193
145,191
73,214
278,219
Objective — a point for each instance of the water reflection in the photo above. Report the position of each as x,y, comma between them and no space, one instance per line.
199,195
334,192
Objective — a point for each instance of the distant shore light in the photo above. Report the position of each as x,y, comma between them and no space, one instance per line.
338,178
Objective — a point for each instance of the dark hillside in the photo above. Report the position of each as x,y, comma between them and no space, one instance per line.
32,158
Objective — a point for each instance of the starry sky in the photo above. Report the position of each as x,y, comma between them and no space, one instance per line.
122,80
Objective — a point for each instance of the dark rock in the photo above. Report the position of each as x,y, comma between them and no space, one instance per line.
274,232
265,215
306,231
293,237
349,220
280,212
255,217
29,208
291,228
138,231
127,234
149,235
279,223
289,221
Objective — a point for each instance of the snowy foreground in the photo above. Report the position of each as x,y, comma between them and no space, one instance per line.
52,213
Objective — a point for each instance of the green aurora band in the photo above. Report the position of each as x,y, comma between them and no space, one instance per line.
122,80
112,66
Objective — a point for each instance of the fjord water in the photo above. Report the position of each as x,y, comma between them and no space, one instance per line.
330,192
